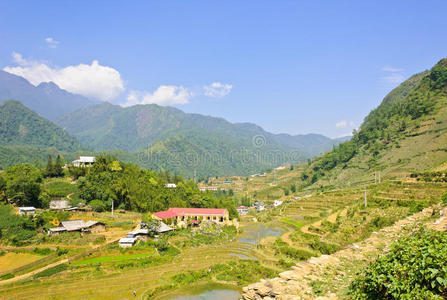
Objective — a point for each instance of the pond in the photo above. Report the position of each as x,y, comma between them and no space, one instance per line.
252,233
213,291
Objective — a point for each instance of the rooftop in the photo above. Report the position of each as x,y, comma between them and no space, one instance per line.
173,212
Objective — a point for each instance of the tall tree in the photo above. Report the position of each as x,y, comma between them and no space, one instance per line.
49,169
57,167
23,185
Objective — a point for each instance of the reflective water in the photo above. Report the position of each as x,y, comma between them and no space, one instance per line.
213,295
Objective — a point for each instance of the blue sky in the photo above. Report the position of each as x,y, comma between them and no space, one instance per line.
288,66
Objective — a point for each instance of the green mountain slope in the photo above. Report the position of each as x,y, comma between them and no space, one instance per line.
167,138
20,126
106,126
407,132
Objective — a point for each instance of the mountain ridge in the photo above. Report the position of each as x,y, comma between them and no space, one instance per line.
46,99
20,126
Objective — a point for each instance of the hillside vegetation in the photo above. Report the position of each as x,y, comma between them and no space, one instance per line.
21,126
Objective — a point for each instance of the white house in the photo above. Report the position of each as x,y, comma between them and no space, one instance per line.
171,185
84,161
27,210
277,203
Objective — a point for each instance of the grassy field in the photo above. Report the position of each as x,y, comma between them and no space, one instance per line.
12,260
108,259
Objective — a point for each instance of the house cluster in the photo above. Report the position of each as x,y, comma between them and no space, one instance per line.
259,206
78,226
142,233
179,217
205,188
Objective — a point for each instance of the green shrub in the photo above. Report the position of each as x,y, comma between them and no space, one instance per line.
51,271
416,268
42,251
444,198
7,276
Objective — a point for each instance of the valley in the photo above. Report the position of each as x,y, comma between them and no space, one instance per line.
109,190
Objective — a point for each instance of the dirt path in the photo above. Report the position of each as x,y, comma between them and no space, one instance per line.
297,282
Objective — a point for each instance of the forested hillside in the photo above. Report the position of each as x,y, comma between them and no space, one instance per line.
106,126
20,126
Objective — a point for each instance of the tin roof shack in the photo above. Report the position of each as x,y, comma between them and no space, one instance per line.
78,226
126,242
29,210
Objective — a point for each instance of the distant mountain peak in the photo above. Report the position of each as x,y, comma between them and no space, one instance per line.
46,99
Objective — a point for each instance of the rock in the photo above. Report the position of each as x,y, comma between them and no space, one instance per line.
289,275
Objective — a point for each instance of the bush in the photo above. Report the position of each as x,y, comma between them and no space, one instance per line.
416,268
444,198
6,276
97,205
42,251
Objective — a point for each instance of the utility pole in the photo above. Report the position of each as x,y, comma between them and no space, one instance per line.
365,198
112,207
375,177
195,175
379,178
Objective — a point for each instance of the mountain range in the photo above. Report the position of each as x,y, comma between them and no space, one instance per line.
46,99
150,135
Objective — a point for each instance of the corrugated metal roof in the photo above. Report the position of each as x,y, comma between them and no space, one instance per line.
127,240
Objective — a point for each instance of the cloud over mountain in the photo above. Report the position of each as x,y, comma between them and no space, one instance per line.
93,81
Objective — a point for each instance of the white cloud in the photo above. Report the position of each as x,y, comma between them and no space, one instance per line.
94,80
391,69
394,75
52,43
164,95
217,89
344,124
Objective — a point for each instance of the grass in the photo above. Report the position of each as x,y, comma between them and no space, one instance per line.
12,260
297,225
59,187
109,259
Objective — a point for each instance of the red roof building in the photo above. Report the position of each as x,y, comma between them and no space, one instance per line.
182,214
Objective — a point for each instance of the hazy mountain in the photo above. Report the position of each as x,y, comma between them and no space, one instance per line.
47,99
20,126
